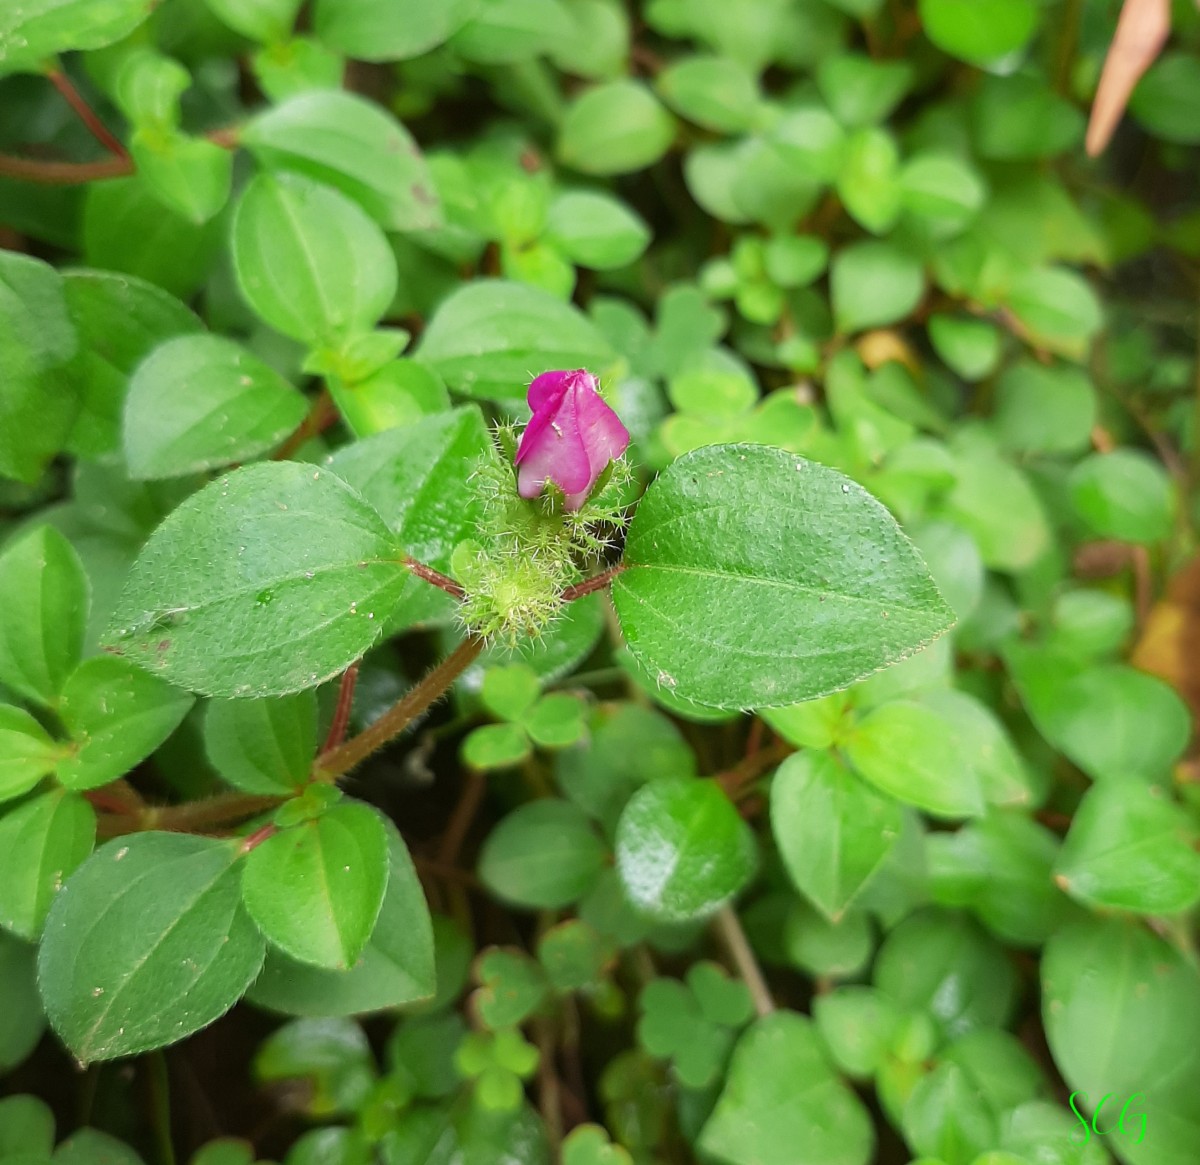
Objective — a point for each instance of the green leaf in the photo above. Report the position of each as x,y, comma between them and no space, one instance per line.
833,831
146,87
489,338
1165,100
874,284
43,616
191,176
595,230
26,1126
544,856
555,721
352,144
943,191
419,480
395,968
33,31
27,753
512,987
628,747
682,850
820,946
42,841
316,889
979,31
270,580
614,128
308,260
299,65
119,320
89,1146
263,746
1112,721
116,715
868,179
908,751
716,93
37,403
509,692
968,346
945,964
1131,848
783,1104
1000,867
125,228
994,501
1044,409
1057,308
734,538
21,1018
946,1115
197,402
509,32
861,91
858,1025
496,746
1124,494
265,21
147,943
1021,117
795,260
1150,995
389,30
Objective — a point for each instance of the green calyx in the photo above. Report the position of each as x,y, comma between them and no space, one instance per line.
530,550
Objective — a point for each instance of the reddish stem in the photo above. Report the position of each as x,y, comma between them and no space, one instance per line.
320,417
259,836
400,715
87,114
596,583
63,173
444,581
341,713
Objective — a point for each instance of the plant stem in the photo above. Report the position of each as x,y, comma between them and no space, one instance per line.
159,1087
63,173
321,415
331,765
87,114
596,583
443,581
730,929
341,712
225,809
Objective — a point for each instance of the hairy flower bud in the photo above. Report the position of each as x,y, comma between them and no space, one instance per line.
571,438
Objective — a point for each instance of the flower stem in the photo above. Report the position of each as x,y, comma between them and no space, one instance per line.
596,583
443,581
333,764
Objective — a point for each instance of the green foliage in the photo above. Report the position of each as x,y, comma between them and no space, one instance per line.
822,789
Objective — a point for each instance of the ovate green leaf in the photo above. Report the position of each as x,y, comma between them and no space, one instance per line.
268,581
147,943
735,538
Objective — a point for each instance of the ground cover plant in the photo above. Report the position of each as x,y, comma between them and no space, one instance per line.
599,582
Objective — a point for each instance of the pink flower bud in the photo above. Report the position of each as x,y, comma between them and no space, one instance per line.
571,438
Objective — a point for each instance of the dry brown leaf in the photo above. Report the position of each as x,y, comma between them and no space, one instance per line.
1141,32
1170,643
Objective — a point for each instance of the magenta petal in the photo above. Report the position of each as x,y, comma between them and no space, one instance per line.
571,438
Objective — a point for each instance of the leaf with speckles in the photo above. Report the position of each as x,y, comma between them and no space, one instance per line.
270,580
756,579
147,943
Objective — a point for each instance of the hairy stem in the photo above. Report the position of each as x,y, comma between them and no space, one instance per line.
341,713
331,765
442,581
596,583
